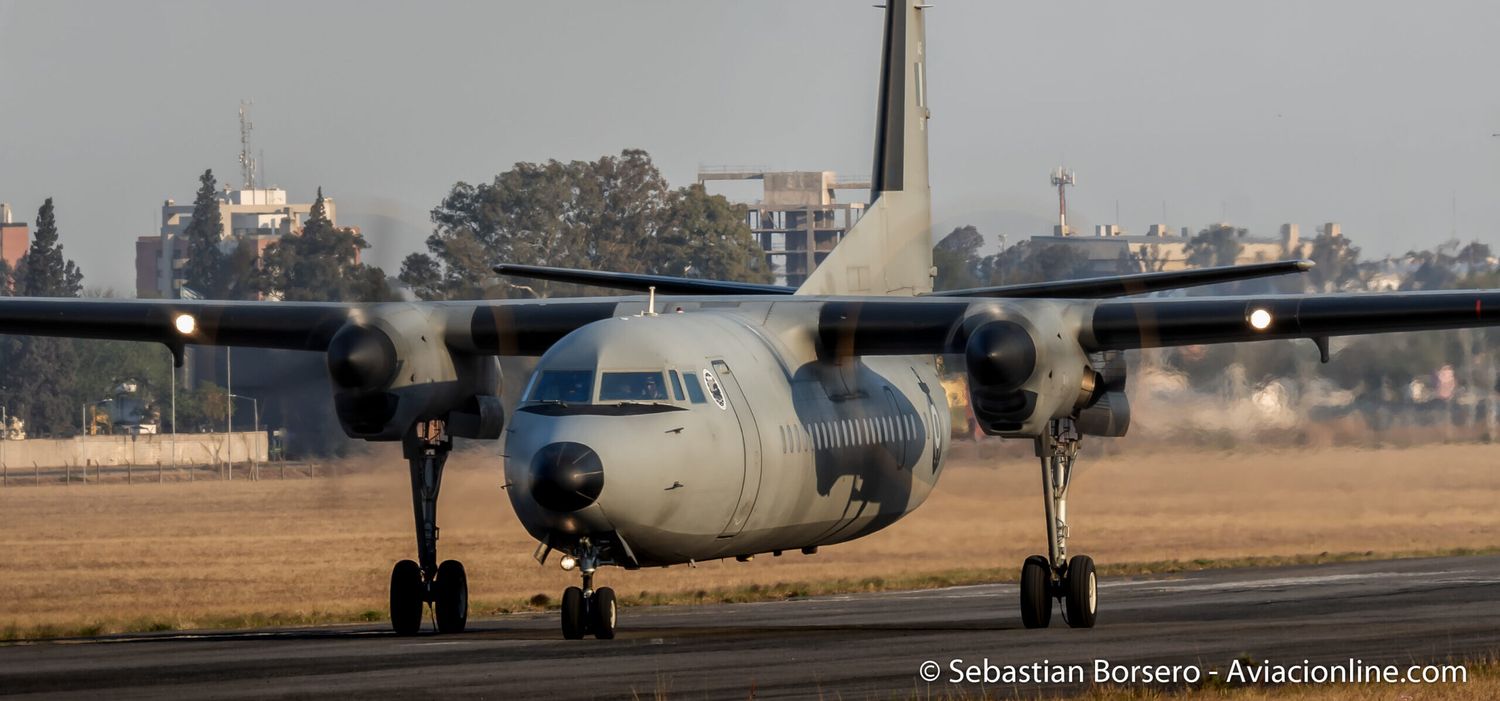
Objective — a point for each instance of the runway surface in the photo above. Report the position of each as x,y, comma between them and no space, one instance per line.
850,647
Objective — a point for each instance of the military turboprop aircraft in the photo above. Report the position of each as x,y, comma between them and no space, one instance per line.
710,419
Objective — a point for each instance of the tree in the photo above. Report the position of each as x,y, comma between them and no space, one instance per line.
1218,245
957,259
39,373
1337,262
204,269
705,236
616,213
319,264
1025,263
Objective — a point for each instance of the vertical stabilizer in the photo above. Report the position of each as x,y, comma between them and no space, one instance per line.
889,250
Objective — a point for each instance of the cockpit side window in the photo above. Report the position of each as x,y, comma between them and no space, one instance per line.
694,388
573,386
632,387
676,385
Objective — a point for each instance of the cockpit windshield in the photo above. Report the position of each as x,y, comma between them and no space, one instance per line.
567,386
632,387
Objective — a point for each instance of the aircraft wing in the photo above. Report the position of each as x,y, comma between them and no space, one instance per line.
287,325
943,325
664,284
1118,325
510,327
1138,283
1087,288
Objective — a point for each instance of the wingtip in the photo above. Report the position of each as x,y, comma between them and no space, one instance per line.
1305,265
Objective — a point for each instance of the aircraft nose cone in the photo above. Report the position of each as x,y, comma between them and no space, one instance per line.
566,476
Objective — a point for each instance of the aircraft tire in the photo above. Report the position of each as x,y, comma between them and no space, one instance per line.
1081,592
452,601
1036,594
574,623
602,614
407,594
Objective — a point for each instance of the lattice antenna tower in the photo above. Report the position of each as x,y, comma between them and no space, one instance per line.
1062,178
247,161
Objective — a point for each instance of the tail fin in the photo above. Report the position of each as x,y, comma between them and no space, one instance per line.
889,250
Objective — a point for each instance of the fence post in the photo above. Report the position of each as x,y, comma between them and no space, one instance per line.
38,469
159,477
68,474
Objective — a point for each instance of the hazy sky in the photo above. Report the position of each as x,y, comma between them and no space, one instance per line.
1373,114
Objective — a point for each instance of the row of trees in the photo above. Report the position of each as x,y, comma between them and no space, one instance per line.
47,381
616,213
318,263
1379,370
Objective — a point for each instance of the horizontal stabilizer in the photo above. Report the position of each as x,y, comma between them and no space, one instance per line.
664,284
1140,283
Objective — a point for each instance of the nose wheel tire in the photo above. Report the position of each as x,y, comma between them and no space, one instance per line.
574,622
602,614
1081,592
451,588
1036,595
407,594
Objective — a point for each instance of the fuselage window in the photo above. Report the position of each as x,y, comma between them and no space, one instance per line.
632,386
676,386
563,386
694,389
817,433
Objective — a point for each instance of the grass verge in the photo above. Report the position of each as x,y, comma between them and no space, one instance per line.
745,594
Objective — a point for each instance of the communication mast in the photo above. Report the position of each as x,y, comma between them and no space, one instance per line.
1062,178
247,162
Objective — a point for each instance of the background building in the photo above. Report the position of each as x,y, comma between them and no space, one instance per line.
259,215
1162,249
15,238
798,219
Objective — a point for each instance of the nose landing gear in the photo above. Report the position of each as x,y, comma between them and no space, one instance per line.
1057,576
587,610
416,584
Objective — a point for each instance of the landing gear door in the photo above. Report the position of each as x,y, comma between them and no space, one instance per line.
740,407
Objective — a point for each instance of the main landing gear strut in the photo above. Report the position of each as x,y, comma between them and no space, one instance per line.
585,609
1058,576
415,584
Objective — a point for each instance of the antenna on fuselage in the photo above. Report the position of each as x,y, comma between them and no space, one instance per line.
651,301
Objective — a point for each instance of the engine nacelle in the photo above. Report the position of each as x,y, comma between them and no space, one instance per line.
1108,414
1023,374
393,369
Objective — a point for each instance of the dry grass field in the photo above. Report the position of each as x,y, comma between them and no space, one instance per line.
116,557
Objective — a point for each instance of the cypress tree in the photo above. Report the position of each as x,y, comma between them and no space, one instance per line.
204,269
39,375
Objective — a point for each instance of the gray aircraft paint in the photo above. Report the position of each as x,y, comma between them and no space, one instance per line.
845,447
